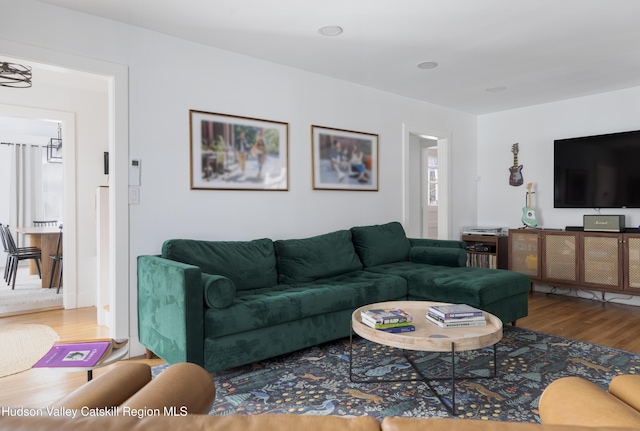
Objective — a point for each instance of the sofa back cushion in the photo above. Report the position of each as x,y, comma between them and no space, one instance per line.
249,264
304,260
380,244
445,256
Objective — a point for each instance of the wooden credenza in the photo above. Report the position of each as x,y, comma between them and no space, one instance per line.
590,260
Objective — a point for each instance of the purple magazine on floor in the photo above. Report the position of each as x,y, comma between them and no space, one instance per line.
74,355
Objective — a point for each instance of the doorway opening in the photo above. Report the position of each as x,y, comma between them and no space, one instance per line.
115,115
426,182
429,192
26,125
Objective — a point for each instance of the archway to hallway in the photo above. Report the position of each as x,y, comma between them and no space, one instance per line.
118,145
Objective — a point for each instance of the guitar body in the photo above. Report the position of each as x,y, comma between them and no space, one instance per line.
528,213
529,217
515,179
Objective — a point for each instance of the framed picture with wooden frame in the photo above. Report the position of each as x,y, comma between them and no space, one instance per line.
230,152
344,159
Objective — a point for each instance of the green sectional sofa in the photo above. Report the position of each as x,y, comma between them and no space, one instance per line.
222,304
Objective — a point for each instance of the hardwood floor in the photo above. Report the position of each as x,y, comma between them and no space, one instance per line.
608,324
40,387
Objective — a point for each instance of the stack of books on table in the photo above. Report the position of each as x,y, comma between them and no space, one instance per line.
389,320
455,316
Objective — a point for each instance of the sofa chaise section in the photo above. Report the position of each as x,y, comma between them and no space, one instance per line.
436,271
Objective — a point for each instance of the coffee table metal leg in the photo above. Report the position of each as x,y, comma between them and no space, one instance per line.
453,379
351,352
423,378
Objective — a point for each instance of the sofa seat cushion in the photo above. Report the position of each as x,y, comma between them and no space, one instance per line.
249,264
458,285
285,303
380,244
309,259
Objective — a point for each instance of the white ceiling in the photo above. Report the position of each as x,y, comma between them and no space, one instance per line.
540,50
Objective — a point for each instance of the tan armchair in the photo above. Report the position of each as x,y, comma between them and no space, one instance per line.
576,401
569,404
181,388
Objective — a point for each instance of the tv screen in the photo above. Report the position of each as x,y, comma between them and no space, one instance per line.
597,171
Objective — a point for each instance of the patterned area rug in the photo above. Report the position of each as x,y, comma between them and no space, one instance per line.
316,380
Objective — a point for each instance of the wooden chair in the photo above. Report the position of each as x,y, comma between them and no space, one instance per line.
17,254
57,258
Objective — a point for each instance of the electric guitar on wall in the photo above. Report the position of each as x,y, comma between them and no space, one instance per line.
515,179
528,213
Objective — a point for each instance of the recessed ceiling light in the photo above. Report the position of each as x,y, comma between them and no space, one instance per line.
496,89
330,30
427,65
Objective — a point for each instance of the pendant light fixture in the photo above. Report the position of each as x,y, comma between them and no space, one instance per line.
15,75
54,148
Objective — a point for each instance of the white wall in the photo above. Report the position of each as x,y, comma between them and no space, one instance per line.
168,77
535,128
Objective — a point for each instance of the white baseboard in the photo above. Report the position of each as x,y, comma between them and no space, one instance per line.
585,293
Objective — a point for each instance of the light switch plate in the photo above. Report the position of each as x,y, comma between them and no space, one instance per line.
134,195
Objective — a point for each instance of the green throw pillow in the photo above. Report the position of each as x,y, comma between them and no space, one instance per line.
219,291
438,256
380,244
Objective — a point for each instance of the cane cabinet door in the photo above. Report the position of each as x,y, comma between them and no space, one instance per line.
560,263
524,252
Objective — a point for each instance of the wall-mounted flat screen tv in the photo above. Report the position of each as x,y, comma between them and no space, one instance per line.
597,171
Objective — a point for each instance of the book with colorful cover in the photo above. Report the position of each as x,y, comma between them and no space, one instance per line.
455,311
399,329
385,325
385,316
79,353
455,324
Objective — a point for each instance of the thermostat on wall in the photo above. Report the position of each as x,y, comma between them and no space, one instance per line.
134,172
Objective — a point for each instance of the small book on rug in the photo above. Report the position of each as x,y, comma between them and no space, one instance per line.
79,353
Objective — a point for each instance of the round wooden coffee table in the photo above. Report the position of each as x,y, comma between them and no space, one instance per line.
427,337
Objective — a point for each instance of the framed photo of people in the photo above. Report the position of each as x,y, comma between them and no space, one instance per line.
230,152
344,159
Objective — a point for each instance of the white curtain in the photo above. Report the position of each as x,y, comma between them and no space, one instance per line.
26,186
